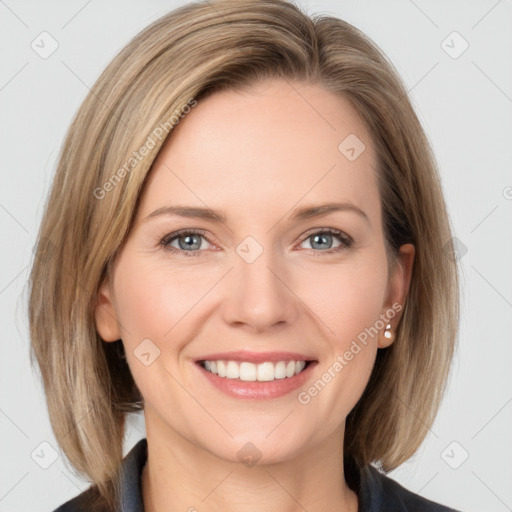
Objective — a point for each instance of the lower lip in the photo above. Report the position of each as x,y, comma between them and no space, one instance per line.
255,390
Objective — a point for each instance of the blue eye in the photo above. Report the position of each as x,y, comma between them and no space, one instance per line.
322,241
189,242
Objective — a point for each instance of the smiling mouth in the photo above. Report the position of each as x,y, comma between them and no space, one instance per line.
251,372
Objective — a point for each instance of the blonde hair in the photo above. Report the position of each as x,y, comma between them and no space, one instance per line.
183,57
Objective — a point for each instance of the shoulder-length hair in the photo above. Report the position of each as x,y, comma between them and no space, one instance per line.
184,56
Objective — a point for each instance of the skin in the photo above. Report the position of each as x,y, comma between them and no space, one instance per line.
272,149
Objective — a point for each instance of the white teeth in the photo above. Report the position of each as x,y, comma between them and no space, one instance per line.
262,372
248,371
232,370
221,368
280,370
265,372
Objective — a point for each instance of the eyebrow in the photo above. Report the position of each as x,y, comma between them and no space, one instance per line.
303,213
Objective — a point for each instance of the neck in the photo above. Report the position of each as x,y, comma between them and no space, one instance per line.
180,476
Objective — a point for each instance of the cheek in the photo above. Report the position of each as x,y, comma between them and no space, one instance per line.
153,301
350,306
348,299
164,305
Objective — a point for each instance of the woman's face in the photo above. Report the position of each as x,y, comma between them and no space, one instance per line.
235,259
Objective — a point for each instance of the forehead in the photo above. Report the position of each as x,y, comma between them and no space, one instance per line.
271,147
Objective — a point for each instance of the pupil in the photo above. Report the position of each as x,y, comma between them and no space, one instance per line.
321,239
191,242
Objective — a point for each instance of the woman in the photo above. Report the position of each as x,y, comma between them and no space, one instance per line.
242,240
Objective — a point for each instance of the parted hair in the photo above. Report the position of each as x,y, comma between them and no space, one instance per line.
183,57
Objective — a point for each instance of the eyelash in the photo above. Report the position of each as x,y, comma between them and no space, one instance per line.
346,241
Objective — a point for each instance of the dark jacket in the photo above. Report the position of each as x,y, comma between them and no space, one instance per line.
376,492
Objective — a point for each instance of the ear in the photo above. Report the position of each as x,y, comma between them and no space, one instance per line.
105,315
398,286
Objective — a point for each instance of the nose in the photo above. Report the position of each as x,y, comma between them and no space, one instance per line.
260,295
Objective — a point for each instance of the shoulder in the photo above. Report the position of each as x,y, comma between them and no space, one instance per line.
86,502
131,496
381,493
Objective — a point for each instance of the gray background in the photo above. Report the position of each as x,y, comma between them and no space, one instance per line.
465,105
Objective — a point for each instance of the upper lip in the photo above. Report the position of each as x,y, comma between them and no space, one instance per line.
256,357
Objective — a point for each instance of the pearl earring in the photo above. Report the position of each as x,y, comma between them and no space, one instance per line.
387,332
